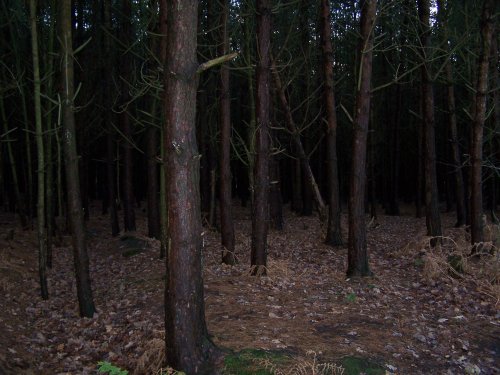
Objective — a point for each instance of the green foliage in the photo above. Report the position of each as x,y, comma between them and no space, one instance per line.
456,262
252,362
130,253
106,367
351,297
419,262
356,366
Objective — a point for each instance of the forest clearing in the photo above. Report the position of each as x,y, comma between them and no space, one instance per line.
412,317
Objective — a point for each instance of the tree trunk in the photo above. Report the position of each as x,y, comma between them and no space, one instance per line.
296,182
333,231
226,214
357,255
275,201
260,217
420,151
110,131
128,160
476,194
75,213
433,219
188,347
49,176
42,232
302,156
495,141
163,196
21,208
251,128
152,172
452,123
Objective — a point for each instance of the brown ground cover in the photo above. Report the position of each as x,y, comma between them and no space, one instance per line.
415,316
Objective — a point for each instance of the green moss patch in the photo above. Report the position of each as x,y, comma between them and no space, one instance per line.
356,366
254,362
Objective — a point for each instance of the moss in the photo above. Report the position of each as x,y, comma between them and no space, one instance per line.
253,361
356,366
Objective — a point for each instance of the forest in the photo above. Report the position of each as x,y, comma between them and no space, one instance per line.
249,187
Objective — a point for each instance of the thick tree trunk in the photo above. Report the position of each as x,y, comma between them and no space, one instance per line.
433,218
357,255
188,347
260,217
333,231
226,214
476,194
42,232
75,213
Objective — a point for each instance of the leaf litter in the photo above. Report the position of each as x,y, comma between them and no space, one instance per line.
417,315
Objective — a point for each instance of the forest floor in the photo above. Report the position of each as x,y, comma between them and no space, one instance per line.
415,316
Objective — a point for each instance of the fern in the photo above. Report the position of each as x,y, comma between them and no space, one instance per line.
111,369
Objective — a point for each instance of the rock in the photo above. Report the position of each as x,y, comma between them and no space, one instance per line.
420,337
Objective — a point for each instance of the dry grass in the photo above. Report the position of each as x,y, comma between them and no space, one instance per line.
153,358
307,366
454,258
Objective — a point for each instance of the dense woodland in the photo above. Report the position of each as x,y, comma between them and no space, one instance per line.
167,120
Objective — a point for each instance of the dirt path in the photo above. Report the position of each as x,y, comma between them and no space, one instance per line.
398,319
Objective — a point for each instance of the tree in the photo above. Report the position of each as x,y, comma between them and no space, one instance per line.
433,219
125,117
476,194
42,232
188,347
154,226
226,215
357,255
443,13
75,213
260,217
110,131
333,232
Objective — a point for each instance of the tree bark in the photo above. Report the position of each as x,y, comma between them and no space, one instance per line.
433,219
152,172
275,200
154,228
452,123
75,213
226,214
260,217
476,194
42,232
163,198
357,255
334,230
128,167
495,141
110,131
188,347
